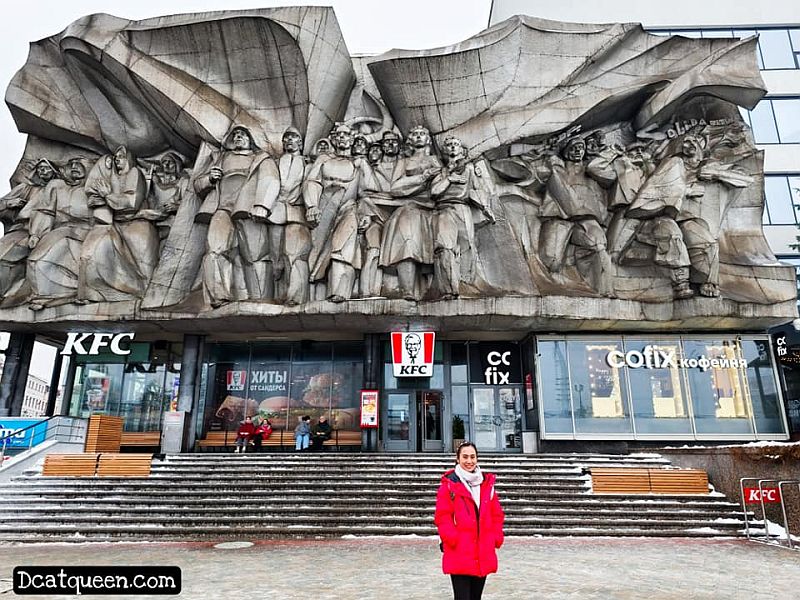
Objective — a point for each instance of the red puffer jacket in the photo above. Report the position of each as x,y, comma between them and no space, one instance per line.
469,537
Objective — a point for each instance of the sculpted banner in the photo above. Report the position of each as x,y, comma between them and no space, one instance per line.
184,174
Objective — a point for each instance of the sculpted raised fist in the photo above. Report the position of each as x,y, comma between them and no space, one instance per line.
215,174
312,216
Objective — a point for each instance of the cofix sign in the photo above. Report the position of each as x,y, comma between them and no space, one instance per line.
412,353
752,495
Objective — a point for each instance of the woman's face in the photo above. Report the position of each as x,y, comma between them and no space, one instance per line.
468,458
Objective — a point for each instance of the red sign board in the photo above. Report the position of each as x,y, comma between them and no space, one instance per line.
412,353
752,495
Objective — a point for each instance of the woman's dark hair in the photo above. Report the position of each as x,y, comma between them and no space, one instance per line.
466,445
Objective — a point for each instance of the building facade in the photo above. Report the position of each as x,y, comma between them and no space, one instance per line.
530,258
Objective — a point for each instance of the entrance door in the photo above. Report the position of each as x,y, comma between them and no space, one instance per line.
413,421
496,418
429,421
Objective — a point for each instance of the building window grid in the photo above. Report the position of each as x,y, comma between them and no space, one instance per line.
788,59
782,192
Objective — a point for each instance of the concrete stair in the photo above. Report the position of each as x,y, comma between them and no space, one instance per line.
195,497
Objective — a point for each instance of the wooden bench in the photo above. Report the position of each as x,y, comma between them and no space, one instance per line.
280,438
678,481
623,480
124,465
146,439
620,481
70,465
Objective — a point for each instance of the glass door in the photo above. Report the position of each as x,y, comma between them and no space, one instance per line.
398,433
497,423
429,421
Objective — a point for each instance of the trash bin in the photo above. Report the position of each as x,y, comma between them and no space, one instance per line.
530,442
172,432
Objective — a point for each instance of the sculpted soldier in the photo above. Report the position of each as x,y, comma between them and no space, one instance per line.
455,191
119,254
375,202
239,192
54,264
330,192
291,209
16,211
574,212
407,243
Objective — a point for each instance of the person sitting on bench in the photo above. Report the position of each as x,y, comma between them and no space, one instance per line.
244,433
320,433
262,432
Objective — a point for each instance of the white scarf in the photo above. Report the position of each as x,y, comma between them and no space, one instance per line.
473,482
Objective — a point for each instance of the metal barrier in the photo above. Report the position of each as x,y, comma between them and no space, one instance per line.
64,429
768,538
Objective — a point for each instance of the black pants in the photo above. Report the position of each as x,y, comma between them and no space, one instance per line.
467,587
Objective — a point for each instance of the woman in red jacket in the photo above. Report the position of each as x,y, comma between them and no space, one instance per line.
470,522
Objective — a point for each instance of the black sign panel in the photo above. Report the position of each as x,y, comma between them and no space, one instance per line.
495,363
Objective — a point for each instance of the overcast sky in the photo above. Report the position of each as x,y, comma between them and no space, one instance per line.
368,26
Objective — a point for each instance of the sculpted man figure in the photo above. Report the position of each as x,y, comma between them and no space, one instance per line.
573,213
330,192
119,254
239,192
291,209
54,263
407,243
17,208
455,191
375,203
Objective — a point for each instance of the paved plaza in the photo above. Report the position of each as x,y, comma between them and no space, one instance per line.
408,568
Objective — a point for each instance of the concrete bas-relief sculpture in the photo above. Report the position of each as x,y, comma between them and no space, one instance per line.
193,164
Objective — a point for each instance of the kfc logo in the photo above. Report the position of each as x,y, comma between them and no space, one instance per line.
412,353
236,380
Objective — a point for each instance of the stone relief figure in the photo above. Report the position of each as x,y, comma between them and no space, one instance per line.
456,193
297,240
407,244
239,191
330,192
53,270
574,214
17,209
375,203
169,185
120,252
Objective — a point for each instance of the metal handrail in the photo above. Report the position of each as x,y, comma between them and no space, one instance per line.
16,432
761,483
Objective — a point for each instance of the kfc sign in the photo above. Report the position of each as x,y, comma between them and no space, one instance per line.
92,343
752,495
236,380
412,353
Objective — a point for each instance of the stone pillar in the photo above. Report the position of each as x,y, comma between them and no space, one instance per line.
372,378
15,373
52,396
189,388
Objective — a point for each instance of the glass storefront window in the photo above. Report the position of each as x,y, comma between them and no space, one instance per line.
555,386
695,389
659,401
598,392
97,390
762,387
718,397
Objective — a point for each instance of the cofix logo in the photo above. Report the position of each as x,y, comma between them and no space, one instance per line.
412,353
77,343
236,380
